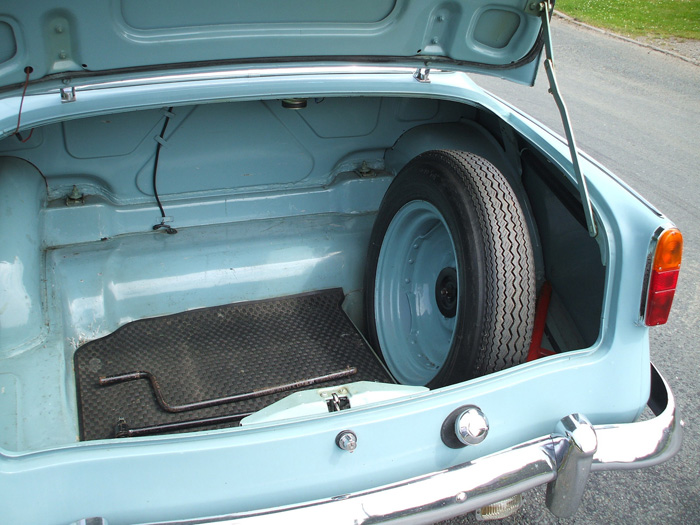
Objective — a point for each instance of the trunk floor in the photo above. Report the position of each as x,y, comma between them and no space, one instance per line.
218,352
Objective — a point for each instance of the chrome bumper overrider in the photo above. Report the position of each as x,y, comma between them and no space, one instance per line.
563,460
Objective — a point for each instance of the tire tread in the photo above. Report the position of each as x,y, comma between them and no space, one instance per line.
510,283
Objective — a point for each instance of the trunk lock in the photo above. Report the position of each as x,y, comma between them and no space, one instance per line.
346,440
465,426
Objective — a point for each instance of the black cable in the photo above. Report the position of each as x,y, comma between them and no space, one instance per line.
168,229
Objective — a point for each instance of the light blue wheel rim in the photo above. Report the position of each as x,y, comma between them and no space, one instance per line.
414,336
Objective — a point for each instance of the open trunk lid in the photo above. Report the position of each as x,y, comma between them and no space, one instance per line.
501,38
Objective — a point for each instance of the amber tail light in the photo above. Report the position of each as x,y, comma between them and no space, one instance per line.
663,277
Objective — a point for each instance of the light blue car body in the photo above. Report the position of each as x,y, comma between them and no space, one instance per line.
46,474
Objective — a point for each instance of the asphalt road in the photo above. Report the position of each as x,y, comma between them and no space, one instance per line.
638,112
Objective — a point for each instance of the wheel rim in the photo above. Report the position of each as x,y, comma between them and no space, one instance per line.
417,266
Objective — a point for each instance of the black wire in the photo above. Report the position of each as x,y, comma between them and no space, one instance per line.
28,70
162,224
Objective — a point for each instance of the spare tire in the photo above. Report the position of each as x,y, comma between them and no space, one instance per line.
450,277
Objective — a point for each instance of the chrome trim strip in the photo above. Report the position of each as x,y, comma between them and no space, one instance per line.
647,272
470,486
239,73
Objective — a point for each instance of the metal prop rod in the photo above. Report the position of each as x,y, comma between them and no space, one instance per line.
132,376
545,12
123,430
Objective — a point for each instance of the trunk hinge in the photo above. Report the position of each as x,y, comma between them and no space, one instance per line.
545,9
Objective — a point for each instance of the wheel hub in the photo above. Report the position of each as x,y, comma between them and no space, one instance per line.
446,292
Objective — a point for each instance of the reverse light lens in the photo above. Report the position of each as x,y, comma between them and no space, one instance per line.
664,277
500,510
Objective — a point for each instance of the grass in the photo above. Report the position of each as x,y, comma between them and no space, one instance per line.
654,18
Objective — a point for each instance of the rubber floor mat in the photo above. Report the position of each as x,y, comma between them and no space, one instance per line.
218,352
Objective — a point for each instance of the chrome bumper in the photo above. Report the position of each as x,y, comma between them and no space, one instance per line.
563,460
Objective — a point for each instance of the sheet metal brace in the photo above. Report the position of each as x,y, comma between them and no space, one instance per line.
545,10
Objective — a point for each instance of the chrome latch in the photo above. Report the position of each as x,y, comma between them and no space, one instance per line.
337,403
422,74
68,94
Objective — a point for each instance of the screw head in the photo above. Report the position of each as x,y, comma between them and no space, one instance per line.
471,426
346,440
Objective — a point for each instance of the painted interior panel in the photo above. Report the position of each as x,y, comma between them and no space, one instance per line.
572,261
63,51
445,23
22,196
311,146
9,408
111,135
33,141
496,28
8,42
357,117
415,110
101,286
181,13
216,131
